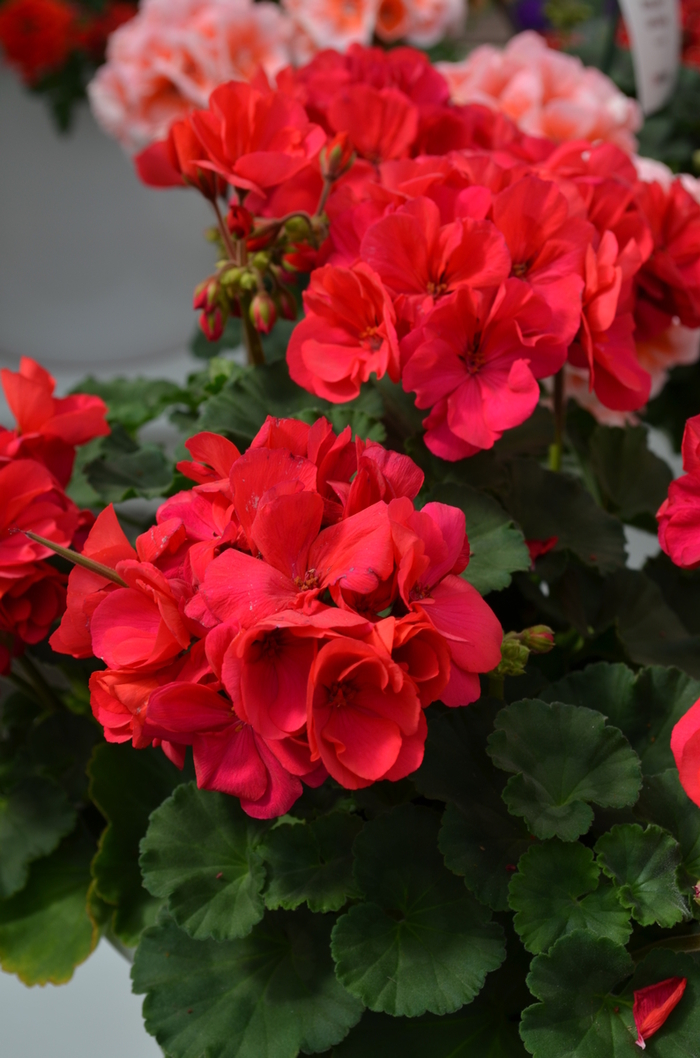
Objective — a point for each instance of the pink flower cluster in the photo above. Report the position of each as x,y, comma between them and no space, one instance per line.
545,92
174,53
289,617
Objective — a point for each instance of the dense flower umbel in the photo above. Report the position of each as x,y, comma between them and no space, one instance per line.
679,514
290,617
460,256
36,459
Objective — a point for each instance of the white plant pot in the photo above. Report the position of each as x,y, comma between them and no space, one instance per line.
96,271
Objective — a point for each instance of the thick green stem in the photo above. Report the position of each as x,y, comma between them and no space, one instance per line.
555,449
251,337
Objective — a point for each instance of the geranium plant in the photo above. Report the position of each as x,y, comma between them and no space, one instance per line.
361,736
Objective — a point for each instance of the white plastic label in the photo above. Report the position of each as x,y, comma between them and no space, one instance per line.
654,29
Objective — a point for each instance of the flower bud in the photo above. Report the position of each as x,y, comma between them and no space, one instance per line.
260,261
263,313
287,305
336,157
212,324
239,221
539,639
206,294
513,658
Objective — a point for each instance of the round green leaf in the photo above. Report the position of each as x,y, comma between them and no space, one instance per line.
126,785
266,995
577,1016
497,548
311,863
664,801
201,852
564,756
479,838
45,929
34,816
645,705
420,942
555,891
643,864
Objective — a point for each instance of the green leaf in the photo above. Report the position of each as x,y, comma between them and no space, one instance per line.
643,865
545,504
564,757
34,816
679,1035
251,394
556,891
125,469
645,706
497,548
651,632
577,1017
131,402
679,587
266,995
420,942
664,801
61,745
479,838
486,1028
633,481
312,863
126,785
201,851
45,929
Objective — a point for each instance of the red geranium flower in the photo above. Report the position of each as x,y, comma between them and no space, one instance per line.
37,35
653,1004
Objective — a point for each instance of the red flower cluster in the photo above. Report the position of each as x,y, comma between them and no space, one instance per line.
679,514
290,617
36,460
463,258
37,36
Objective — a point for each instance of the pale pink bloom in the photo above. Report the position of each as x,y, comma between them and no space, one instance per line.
431,20
335,23
170,57
676,345
651,171
545,92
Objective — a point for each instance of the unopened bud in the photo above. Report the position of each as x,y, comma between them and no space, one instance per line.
287,305
513,658
696,892
263,313
336,157
206,294
297,229
260,261
239,221
212,324
231,276
539,639
248,281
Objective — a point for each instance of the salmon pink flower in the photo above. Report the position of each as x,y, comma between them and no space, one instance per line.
653,1004
334,23
348,334
365,719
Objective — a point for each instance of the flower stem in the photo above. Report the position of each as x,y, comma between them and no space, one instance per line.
555,449
496,686
689,942
230,248
251,337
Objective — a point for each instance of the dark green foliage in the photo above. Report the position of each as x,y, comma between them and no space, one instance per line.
420,942
267,995
564,757
311,863
202,852
126,786
643,865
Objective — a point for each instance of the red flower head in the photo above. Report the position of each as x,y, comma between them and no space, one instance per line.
685,745
48,427
476,359
365,719
256,140
37,35
679,514
177,161
348,334
653,1004
669,282
381,123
